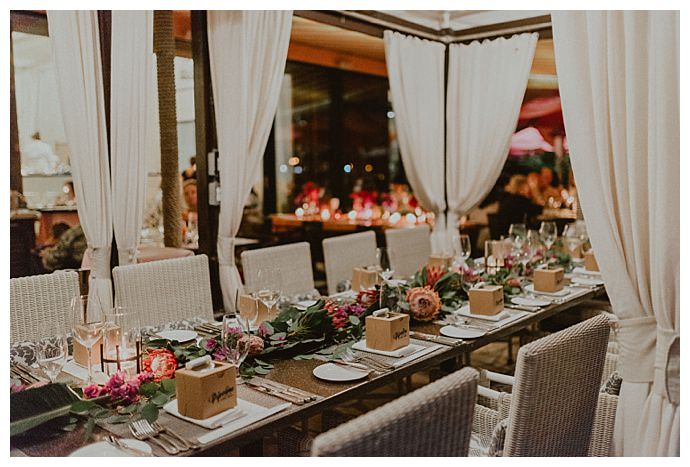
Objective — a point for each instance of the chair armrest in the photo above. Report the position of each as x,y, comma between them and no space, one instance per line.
488,393
500,378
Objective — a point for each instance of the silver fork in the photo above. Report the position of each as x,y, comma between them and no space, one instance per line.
142,434
149,428
187,442
349,356
112,440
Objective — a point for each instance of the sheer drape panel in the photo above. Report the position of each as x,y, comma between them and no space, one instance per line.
618,74
247,51
416,77
77,58
131,76
486,86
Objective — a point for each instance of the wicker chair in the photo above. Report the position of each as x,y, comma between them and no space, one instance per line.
293,260
343,253
166,291
411,249
432,421
41,299
605,417
552,406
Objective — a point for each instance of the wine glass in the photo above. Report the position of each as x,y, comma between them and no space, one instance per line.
87,324
533,243
462,248
52,352
384,260
575,236
250,312
270,287
548,232
235,338
518,234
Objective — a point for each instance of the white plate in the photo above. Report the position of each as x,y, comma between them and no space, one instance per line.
465,311
104,449
304,304
561,293
583,272
462,332
398,353
178,335
338,373
529,301
586,281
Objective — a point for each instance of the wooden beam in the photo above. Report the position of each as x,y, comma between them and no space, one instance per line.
16,181
29,22
328,58
540,24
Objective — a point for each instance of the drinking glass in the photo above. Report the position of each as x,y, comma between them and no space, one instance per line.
235,339
462,248
384,260
250,312
270,287
575,236
52,352
121,341
533,243
548,232
87,324
518,234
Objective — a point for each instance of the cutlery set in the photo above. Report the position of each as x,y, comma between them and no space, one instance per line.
168,440
23,374
207,329
281,391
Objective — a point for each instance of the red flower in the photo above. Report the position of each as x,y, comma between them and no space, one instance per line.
433,274
367,298
161,362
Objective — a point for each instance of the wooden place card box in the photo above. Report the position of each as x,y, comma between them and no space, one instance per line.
548,280
487,300
389,332
591,262
204,393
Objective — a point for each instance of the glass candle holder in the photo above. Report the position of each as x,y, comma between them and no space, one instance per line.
121,348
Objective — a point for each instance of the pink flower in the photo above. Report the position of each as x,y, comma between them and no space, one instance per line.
145,377
128,391
115,381
433,274
368,298
220,355
210,344
514,282
425,303
17,387
93,390
264,331
256,345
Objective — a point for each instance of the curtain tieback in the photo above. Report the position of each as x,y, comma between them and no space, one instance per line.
127,255
100,262
226,251
636,342
667,365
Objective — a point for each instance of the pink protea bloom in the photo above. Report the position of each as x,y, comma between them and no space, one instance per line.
210,344
256,345
425,304
263,330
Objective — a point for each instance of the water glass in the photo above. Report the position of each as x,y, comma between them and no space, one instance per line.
384,260
270,287
548,231
122,341
462,248
51,354
87,324
235,339
518,234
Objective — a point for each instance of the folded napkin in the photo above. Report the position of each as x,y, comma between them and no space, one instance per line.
465,311
402,352
215,421
584,272
253,413
416,355
585,281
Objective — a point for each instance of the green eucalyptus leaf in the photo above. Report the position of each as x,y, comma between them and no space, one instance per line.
261,371
82,406
117,419
88,428
168,386
148,389
354,320
128,409
160,399
150,412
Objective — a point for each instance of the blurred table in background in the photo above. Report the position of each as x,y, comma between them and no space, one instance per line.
54,215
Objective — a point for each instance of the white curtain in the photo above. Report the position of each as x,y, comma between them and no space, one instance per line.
415,74
618,72
486,85
80,82
131,76
247,52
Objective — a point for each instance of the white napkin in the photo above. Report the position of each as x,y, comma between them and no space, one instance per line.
254,414
402,352
584,272
215,421
416,355
82,373
465,311
586,281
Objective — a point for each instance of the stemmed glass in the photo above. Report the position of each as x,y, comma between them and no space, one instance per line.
575,235
533,243
270,287
52,352
235,338
384,260
462,248
548,232
87,324
518,234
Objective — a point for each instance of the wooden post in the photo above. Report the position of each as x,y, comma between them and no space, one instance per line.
16,182
164,48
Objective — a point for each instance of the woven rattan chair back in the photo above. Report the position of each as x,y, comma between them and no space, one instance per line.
165,291
411,249
435,420
293,260
345,252
557,381
40,299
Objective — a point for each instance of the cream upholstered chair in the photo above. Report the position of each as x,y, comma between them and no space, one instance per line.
166,291
45,298
432,421
293,260
411,249
345,252
555,390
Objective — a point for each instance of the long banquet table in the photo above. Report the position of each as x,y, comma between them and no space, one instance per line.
298,374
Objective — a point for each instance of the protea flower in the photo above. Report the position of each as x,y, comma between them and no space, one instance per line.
425,304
